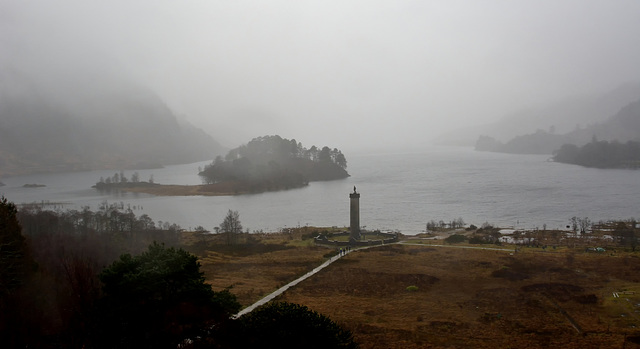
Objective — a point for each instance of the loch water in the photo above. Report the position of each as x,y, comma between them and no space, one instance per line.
399,192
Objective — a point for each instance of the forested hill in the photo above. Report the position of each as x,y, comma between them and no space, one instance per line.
61,125
625,125
273,162
601,154
622,127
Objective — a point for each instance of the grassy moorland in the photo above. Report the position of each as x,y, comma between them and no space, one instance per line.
418,294
257,264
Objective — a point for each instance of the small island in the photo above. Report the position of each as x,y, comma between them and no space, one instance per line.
33,185
275,163
121,181
268,163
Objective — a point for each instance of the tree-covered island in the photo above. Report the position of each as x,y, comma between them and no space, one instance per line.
266,163
120,181
275,163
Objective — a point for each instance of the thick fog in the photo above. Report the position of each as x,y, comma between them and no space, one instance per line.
348,74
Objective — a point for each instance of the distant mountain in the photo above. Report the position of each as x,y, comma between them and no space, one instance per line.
560,117
59,124
540,142
622,127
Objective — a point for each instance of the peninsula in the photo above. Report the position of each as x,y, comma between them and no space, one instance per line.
268,163
215,189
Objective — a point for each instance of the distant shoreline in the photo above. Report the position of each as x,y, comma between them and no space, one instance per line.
218,189
181,190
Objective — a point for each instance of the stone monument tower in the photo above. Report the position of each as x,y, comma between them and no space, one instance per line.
355,215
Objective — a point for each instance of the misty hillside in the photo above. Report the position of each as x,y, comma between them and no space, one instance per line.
622,127
89,123
556,118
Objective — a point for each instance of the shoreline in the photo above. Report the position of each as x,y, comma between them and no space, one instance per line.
180,190
217,189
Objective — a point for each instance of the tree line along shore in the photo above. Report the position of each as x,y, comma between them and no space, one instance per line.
267,163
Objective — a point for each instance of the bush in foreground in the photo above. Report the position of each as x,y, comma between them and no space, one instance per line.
157,299
455,239
288,325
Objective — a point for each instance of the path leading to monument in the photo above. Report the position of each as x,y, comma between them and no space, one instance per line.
281,290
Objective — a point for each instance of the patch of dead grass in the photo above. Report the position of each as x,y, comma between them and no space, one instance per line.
464,298
458,302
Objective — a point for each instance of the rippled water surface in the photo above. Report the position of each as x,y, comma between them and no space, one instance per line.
398,192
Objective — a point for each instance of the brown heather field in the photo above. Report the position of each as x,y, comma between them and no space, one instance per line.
258,265
465,298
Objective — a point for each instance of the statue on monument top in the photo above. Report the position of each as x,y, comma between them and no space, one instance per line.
354,189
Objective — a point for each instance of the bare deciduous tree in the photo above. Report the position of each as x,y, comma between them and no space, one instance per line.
231,226
584,223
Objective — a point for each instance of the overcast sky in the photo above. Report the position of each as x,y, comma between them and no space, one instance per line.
348,74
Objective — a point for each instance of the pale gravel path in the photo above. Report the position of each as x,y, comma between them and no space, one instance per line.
281,290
